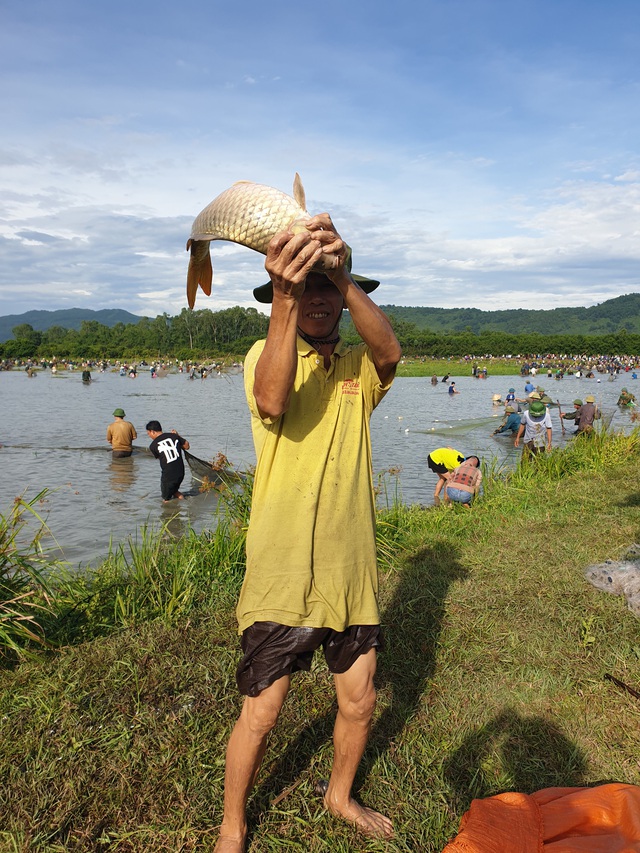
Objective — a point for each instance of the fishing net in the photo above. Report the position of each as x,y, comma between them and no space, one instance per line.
620,577
207,473
607,417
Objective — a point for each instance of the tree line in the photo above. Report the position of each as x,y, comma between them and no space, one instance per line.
205,333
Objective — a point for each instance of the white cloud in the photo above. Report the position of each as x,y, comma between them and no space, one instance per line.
497,167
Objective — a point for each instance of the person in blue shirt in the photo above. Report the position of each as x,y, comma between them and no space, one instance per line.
529,387
510,423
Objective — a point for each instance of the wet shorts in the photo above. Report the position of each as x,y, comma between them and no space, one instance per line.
271,650
436,467
170,485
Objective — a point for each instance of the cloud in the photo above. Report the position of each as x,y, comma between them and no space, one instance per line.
497,168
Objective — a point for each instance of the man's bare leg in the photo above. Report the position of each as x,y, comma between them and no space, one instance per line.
246,749
356,701
436,494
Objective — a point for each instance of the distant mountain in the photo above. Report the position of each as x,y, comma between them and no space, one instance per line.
608,317
68,318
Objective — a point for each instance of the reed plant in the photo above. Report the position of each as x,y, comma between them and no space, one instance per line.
24,594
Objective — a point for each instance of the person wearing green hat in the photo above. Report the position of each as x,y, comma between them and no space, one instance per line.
536,428
575,414
311,577
510,422
121,435
584,414
626,398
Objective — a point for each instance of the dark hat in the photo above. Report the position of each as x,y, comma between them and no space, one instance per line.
118,413
264,293
577,402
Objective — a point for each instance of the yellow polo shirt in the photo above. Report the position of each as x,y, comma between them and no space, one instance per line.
311,548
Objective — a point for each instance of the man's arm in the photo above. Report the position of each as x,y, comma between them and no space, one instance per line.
519,435
184,444
372,324
289,261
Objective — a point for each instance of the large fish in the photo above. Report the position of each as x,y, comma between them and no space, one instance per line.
249,214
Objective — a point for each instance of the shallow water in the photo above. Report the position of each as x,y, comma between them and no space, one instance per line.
53,428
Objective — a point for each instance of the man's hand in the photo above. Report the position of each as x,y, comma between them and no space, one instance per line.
290,258
324,231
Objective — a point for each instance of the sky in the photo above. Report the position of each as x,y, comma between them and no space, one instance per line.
473,153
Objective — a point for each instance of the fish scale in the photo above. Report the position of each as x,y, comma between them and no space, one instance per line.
249,214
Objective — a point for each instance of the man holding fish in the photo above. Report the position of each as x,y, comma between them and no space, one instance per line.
311,576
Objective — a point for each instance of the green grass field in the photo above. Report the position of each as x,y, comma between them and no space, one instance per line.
492,678
456,367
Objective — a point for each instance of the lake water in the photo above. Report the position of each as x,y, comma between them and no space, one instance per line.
52,432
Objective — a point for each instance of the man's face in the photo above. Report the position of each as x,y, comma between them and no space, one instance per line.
320,306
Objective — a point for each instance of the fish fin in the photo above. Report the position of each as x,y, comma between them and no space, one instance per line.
200,271
206,279
298,192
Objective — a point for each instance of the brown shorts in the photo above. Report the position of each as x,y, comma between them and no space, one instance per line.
271,650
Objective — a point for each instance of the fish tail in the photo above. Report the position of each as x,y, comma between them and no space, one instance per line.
200,270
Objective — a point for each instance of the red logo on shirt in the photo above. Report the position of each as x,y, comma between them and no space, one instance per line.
351,386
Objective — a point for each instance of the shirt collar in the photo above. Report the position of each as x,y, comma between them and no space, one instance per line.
305,349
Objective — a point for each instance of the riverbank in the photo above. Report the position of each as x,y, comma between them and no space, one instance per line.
492,678
495,366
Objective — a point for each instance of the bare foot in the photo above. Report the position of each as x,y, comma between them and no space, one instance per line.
366,820
179,495
227,844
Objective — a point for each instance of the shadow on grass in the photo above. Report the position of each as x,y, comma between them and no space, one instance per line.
630,500
513,753
412,623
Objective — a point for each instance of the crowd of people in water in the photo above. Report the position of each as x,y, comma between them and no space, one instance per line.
192,370
527,420
552,365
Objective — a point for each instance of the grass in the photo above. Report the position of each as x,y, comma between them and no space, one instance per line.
24,596
423,366
492,678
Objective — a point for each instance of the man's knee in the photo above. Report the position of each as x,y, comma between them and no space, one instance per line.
260,714
359,705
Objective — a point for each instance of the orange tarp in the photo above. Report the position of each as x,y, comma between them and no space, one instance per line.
604,819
